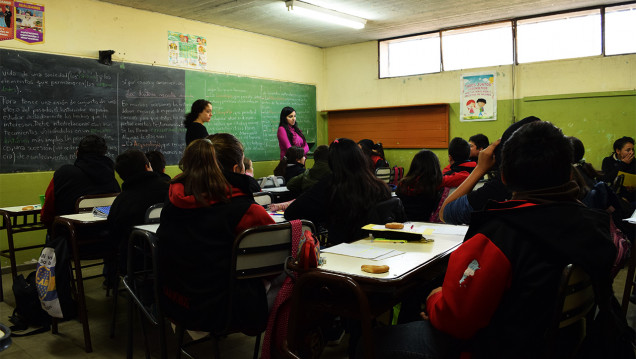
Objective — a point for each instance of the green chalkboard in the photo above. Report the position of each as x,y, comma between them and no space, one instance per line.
48,103
250,109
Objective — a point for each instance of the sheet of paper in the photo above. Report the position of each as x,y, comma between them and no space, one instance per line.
393,253
357,250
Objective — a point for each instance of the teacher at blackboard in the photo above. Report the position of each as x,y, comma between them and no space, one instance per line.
288,132
200,113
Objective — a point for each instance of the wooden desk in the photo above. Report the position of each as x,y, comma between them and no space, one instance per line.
16,220
341,288
69,225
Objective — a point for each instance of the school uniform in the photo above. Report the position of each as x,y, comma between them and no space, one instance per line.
417,206
292,170
90,174
195,243
310,177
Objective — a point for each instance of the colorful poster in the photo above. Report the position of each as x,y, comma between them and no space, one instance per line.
29,22
478,101
6,20
186,50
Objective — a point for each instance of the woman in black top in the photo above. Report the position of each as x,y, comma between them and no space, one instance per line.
200,113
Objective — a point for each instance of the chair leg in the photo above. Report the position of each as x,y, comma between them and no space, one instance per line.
81,301
180,332
629,281
114,317
129,316
144,331
54,326
257,345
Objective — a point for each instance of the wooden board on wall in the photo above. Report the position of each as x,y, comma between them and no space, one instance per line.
417,126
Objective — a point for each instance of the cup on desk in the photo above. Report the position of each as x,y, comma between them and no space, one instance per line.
42,200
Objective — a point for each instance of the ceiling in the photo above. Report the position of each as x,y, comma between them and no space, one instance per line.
386,18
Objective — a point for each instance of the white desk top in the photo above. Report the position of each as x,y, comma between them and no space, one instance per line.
83,217
152,228
275,189
19,209
416,254
278,218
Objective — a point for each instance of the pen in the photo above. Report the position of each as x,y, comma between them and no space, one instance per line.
411,226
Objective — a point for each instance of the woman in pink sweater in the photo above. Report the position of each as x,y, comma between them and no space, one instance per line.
288,132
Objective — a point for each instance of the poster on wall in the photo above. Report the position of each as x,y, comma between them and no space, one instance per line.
478,100
6,20
185,50
29,22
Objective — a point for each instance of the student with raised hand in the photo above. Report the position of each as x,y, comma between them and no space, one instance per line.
374,153
208,206
499,290
292,164
200,113
477,143
289,134
342,200
419,190
459,205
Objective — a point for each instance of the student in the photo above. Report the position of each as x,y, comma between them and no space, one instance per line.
419,190
586,175
460,165
92,173
459,205
622,159
142,188
158,164
208,206
200,113
500,286
249,171
310,177
374,152
342,200
477,143
292,164
289,134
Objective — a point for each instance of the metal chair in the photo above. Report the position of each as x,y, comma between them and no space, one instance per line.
263,198
153,213
384,174
258,252
88,202
574,307
271,181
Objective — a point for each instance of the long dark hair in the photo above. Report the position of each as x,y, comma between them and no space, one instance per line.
424,176
202,177
197,107
229,150
354,188
283,122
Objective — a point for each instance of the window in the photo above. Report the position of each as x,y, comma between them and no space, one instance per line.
410,56
563,36
481,46
620,29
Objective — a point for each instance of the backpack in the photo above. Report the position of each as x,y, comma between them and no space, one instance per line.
28,312
53,279
308,254
398,174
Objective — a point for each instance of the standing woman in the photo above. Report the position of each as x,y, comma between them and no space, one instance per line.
288,132
200,113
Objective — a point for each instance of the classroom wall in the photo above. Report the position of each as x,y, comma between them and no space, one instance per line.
591,98
81,28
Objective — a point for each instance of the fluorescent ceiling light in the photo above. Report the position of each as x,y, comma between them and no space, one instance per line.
324,14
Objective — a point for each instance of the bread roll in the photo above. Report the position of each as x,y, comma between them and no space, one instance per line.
394,225
27,208
375,268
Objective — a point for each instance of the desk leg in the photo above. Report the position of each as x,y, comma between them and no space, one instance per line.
629,280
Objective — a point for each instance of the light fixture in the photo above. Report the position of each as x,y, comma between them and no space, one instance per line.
324,14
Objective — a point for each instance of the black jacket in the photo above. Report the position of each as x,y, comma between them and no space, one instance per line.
195,131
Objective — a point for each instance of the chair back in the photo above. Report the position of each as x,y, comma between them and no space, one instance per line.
271,181
153,213
262,251
263,198
387,211
384,174
88,202
574,307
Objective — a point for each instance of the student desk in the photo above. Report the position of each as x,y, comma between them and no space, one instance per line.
341,288
72,225
279,194
16,220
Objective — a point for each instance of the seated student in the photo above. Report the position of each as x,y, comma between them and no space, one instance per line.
341,200
310,177
419,190
499,290
92,173
249,171
460,165
621,160
586,175
209,205
142,187
158,164
459,205
374,152
292,164
477,143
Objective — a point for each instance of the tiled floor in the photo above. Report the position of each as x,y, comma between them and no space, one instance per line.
69,343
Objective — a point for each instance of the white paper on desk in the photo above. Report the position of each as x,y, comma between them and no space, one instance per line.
631,219
393,253
358,250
